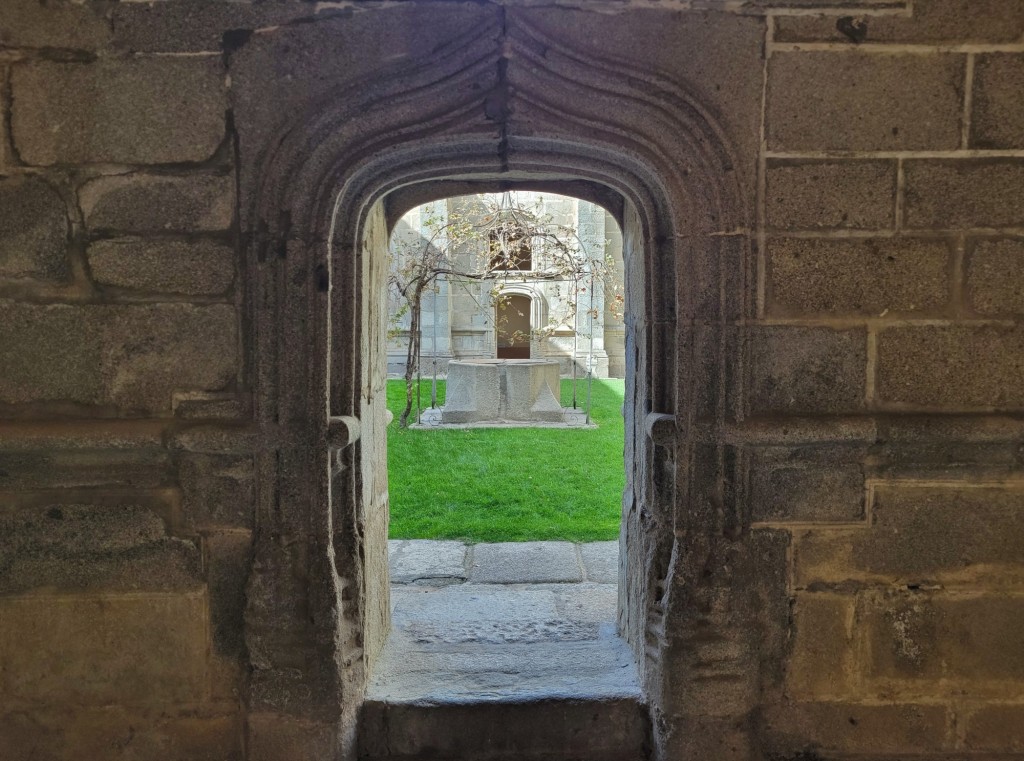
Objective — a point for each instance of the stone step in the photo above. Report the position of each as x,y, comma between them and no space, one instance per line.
504,672
615,729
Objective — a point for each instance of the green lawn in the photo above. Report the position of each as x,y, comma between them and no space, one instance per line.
511,484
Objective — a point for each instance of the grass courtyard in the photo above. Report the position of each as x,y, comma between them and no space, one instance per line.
508,484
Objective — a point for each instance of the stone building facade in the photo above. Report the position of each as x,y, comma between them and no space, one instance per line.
823,240
539,314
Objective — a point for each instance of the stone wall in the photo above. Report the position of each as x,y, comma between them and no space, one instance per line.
871,528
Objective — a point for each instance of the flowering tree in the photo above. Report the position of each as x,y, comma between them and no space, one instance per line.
497,241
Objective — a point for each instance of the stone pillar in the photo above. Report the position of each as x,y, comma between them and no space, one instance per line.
590,229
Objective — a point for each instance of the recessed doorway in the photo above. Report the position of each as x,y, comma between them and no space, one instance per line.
512,327
504,551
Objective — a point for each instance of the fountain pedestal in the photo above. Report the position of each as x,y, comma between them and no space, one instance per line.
500,390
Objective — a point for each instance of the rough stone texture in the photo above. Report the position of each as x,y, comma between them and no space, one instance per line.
996,728
135,111
933,21
714,57
426,562
601,561
807,369
899,102
109,649
337,54
807,485
867,277
963,194
521,562
813,195
202,268
219,431
823,654
997,119
967,643
830,728
139,203
218,491
995,277
957,367
189,26
100,732
31,24
822,4
78,547
947,535
142,469
33,230
228,557
131,358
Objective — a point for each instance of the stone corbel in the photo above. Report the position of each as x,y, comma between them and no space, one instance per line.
342,432
661,428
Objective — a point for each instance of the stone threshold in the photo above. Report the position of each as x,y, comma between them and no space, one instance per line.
511,623
440,563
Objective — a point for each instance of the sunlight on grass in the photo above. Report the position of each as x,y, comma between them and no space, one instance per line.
510,484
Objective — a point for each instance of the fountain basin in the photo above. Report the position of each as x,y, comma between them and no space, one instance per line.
502,390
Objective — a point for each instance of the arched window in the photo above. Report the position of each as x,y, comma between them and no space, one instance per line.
510,248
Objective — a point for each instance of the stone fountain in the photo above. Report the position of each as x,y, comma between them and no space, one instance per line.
503,391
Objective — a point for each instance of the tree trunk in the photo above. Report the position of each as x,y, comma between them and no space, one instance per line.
412,355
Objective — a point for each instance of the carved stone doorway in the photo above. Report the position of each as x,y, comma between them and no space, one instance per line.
327,196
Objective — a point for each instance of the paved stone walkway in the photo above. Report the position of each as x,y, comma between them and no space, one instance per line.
503,622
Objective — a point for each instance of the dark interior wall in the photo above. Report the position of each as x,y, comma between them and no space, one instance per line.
861,589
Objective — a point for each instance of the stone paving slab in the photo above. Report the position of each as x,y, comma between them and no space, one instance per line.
437,562
425,561
525,563
503,642
601,561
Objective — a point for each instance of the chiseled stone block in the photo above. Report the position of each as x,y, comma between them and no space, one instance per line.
808,485
131,357
961,194
218,491
807,370
139,203
998,727
932,21
69,25
997,120
139,648
33,230
995,277
200,268
426,561
950,535
130,111
228,557
122,733
890,729
970,643
958,367
874,277
822,657
825,195
525,563
92,547
854,101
